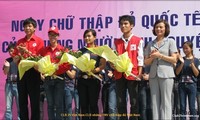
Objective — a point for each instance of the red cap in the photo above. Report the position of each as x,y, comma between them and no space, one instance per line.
53,29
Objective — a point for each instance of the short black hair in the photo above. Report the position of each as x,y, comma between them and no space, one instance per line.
30,21
10,46
126,18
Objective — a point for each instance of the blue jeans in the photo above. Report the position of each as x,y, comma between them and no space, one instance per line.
198,103
42,97
187,90
175,101
145,101
10,93
54,93
109,101
70,93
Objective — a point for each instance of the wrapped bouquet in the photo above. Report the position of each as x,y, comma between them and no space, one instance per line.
121,62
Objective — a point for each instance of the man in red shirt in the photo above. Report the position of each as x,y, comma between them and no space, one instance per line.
29,85
134,46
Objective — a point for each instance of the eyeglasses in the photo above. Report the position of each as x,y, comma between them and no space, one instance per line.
52,35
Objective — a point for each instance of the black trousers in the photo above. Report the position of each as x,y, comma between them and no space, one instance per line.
88,90
29,88
122,85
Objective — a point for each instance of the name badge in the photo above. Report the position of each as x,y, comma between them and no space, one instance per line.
133,46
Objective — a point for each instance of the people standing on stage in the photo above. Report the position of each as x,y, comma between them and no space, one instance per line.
187,69
54,85
134,46
10,69
29,85
71,93
108,93
161,54
89,86
175,93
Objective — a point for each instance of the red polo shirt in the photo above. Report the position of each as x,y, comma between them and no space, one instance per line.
55,56
34,45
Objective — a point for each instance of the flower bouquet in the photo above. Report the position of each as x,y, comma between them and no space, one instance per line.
27,63
121,62
45,66
64,66
84,63
75,53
